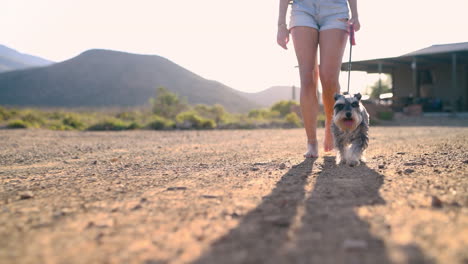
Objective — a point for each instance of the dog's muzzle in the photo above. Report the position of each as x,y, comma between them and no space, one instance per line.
348,120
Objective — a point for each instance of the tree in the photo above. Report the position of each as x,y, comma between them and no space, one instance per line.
167,104
284,107
385,88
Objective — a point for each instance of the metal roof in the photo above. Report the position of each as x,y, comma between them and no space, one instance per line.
435,53
443,48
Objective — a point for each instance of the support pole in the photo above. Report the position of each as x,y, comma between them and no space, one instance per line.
293,93
380,77
414,67
454,72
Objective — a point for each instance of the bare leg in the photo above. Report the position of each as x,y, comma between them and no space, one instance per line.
305,44
332,45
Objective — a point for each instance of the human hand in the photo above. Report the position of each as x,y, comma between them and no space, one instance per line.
355,22
282,37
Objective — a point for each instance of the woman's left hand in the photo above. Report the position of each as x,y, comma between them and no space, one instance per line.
355,22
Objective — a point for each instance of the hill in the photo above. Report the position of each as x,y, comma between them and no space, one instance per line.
271,95
11,59
103,78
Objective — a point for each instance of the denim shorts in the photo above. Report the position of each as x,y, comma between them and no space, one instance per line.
320,14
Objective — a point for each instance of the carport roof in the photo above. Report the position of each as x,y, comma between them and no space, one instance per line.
433,54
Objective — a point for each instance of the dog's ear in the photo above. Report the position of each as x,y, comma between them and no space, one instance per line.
337,96
358,96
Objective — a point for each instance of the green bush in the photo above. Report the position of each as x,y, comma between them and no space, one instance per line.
190,119
134,125
320,120
57,125
284,107
129,116
73,121
18,124
215,112
5,114
293,120
167,104
33,118
109,124
385,115
263,114
159,123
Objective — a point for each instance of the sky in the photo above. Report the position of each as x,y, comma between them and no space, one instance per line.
231,41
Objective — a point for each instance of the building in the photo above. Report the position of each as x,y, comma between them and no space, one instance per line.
436,78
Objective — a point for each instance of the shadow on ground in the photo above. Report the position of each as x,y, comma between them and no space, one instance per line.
293,226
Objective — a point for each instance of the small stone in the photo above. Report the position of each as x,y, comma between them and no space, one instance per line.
94,162
465,161
254,169
176,188
282,166
26,195
381,166
436,202
408,171
401,153
210,196
137,207
354,244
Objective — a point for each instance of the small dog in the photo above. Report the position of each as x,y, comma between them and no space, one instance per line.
350,127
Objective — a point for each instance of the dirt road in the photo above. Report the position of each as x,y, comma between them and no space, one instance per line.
231,197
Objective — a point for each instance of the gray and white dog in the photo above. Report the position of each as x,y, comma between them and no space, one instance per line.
350,129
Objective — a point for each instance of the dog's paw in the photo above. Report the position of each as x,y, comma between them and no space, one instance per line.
353,163
339,159
363,159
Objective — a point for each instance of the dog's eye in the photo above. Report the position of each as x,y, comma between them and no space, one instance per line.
355,104
339,107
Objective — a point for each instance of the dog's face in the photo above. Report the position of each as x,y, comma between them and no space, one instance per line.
347,113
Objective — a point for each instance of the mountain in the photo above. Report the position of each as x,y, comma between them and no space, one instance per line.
11,59
103,78
269,96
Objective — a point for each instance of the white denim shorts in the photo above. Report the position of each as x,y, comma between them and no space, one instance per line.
320,14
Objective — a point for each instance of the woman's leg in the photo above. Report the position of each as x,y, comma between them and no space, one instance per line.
305,44
332,45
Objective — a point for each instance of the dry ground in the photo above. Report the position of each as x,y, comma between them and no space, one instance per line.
231,197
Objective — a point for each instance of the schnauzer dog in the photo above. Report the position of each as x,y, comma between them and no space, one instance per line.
350,126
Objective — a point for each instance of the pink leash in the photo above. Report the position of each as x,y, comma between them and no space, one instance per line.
352,42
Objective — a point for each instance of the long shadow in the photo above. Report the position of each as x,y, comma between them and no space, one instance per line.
291,227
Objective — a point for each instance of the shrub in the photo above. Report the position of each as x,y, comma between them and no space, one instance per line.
284,107
17,124
293,120
134,125
159,123
5,114
215,112
167,104
56,115
33,118
57,125
263,114
190,119
129,116
109,124
385,115
73,121
320,120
